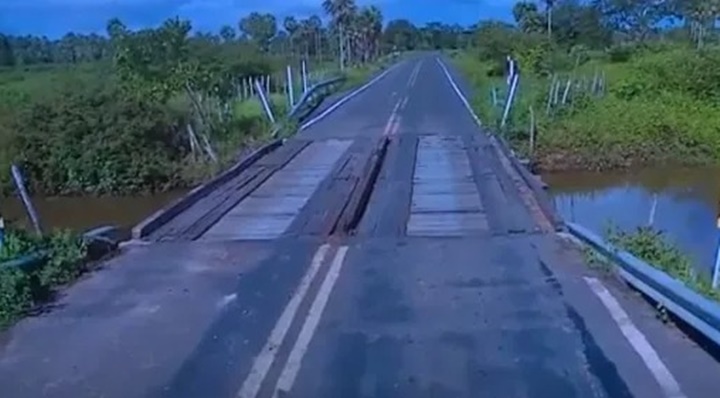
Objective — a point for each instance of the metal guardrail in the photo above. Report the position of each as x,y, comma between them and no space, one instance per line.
306,101
694,309
99,241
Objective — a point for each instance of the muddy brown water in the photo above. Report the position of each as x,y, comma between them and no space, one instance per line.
83,213
683,202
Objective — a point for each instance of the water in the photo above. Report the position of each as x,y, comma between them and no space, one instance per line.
682,202
83,213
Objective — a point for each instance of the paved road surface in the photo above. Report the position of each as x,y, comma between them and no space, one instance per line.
451,284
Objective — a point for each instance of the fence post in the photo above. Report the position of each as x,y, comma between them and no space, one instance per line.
22,191
532,132
291,90
264,101
567,91
716,269
303,67
509,100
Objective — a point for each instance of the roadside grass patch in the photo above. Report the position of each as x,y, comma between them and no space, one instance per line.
653,247
21,291
660,108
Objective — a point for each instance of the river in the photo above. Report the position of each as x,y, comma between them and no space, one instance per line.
681,202
82,213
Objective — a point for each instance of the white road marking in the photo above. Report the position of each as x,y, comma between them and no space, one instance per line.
267,355
458,92
647,353
294,362
414,75
347,98
225,300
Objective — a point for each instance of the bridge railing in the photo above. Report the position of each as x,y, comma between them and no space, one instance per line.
696,310
691,307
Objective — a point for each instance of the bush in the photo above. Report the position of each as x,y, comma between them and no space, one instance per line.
20,291
662,107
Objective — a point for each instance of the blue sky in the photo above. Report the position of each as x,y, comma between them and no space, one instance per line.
55,17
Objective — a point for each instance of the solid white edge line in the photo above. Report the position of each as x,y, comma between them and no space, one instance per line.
266,357
347,98
458,92
292,366
637,340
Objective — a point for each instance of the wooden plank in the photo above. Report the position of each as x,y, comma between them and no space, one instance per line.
233,198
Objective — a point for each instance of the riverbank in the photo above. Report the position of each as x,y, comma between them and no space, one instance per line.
116,126
63,260
659,107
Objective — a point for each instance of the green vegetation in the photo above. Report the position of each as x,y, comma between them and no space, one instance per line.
156,109
21,291
653,247
660,105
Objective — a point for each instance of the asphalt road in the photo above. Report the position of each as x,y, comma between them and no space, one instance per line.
451,285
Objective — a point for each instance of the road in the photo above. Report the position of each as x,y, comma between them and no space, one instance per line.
389,250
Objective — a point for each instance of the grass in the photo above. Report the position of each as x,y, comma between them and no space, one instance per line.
21,291
653,247
661,108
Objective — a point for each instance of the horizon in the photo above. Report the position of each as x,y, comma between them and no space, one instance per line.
55,18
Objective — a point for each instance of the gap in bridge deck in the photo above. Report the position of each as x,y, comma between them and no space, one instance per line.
445,197
269,210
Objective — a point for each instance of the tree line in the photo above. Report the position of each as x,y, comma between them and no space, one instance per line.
359,32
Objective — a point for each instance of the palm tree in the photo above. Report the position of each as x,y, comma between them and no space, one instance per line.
291,27
342,13
374,20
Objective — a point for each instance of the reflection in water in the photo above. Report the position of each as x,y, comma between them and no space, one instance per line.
681,202
82,213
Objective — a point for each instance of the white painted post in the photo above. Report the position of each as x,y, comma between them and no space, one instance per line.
264,101
291,90
532,131
509,100
304,76
25,197
716,268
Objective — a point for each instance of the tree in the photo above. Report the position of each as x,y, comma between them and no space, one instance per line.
291,26
342,13
401,34
261,28
7,57
635,18
227,33
527,17
369,24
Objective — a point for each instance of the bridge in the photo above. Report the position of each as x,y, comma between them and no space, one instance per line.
392,248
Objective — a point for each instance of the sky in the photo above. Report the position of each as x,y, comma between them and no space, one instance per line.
53,18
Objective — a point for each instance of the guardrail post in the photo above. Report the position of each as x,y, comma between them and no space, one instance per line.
22,191
264,101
